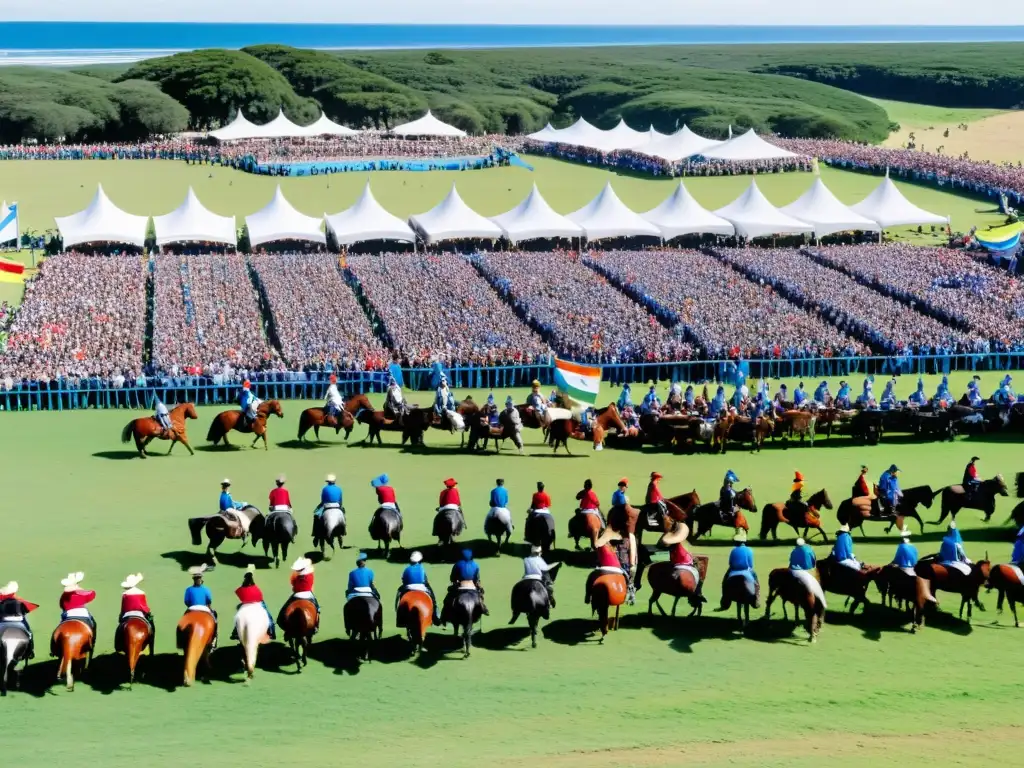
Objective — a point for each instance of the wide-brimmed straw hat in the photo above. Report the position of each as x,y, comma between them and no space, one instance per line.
416,557
303,565
331,479
131,581
678,535
197,570
72,581
10,588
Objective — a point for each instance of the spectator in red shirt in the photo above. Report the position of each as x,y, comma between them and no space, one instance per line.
280,499
450,495
540,499
250,594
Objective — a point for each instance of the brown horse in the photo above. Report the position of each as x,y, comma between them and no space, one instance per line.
225,421
955,498
664,579
800,423
195,636
415,614
608,591
782,583
949,579
720,433
73,644
849,582
856,511
604,419
907,590
707,516
1007,583
753,431
680,509
298,624
147,429
133,636
782,512
585,525
314,418
227,526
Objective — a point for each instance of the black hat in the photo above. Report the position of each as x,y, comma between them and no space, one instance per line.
974,459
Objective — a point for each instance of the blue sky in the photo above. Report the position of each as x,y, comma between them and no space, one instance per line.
971,12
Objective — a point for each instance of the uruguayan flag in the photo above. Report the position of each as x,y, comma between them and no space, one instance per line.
9,223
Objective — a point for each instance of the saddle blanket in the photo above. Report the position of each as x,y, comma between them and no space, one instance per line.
134,615
596,512
239,518
330,505
389,505
280,508
540,511
456,420
689,569
964,568
467,586
812,585
1018,573
533,577
203,608
552,415
417,588
360,592
76,613
909,572
851,564
449,508
304,595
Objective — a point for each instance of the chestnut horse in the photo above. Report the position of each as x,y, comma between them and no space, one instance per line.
604,419
1007,581
849,582
195,635
782,583
585,525
134,635
949,579
225,421
415,614
147,429
773,514
73,644
317,417
298,624
608,591
707,516
907,589
664,579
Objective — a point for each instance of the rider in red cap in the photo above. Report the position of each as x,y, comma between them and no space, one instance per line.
450,495
654,502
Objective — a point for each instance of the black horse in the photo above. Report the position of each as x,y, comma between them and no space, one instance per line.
540,530
448,525
279,532
919,495
14,644
386,527
955,498
531,597
364,622
462,609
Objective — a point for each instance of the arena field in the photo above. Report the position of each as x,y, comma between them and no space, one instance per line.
662,692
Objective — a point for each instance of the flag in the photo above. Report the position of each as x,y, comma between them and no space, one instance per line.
577,383
9,224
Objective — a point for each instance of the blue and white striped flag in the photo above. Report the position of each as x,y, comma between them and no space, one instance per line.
9,224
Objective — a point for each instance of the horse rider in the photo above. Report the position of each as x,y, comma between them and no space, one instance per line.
781,398
651,403
498,500
674,401
610,559
688,398
861,487
654,500
906,554
625,398
588,502
680,556
449,498
414,579
951,551
301,580
842,550
162,415
888,401
444,402
14,610
942,393
972,483
619,498
717,406
249,403
741,563
796,502
330,497
843,396
801,564
516,421
918,397
395,406
727,498
889,488
73,601
491,410
199,598
536,567
333,402
386,498
133,599
226,503
799,396
466,575
360,580
280,500
536,401
1016,557
974,396
821,394
867,396
250,594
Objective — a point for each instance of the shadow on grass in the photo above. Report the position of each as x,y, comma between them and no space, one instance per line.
344,656
188,558
120,455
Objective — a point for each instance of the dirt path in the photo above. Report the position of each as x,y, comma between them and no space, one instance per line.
999,138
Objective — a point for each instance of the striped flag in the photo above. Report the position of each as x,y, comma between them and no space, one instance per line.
577,383
9,224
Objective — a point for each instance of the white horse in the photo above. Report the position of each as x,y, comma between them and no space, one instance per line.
333,527
498,523
251,628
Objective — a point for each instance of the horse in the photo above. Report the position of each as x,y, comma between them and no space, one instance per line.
1008,583
73,643
221,526
317,417
585,525
415,614
782,583
709,515
362,411
720,434
195,634
781,512
855,512
480,431
225,421
463,608
664,579
385,527
251,629
298,624
147,429
133,636
948,579
608,591
603,420
540,530
800,423
448,525
955,498
364,622
418,420
497,525
328,527
680,508
743,592
14,645
908,589
279,533
746,430
530,597
849,582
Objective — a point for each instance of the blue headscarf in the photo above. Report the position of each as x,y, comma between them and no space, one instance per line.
379,480
730,477
467,554
490,399
509,403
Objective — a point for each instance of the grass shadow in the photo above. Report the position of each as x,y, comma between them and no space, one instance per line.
571,631
119,455
306,445
188,558
503,639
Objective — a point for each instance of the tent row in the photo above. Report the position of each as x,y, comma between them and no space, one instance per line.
751,215
672,148
283,128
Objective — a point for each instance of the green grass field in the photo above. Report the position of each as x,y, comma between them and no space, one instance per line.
660,692
926,115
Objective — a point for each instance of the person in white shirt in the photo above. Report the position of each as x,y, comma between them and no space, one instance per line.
535,567
334,403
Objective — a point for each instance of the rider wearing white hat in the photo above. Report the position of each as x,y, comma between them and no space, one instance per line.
73,600
15,610
536,567
301,580
414,579
133,599
842,551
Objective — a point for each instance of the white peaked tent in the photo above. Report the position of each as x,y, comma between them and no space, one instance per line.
102,222
681,214
754,216
452,219
607,216
239,128
428,125
367,220
747,146
819,207
889,208
324,126
581,134
534,218
280,128
192,222
546,134
278,220
680,145
624,137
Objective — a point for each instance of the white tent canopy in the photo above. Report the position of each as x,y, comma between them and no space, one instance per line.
545,134
748,146
607,216
279,128
680,145
889,208
452,219
819,207
324,126
581,134
102,222
753,216
428,125
624,137
192,222
533,218
681,214
279,220
367,220
239,128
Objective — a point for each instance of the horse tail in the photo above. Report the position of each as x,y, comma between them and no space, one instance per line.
127,432
3,668
936,493
217,429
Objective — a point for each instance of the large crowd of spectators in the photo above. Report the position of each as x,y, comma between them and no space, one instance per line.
436,307
580,314
950,284
888,325
726,314
207,318
82,317
317,320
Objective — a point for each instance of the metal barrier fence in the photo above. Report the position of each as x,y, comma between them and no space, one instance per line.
65,395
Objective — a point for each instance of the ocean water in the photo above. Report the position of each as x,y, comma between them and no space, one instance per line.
77,43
